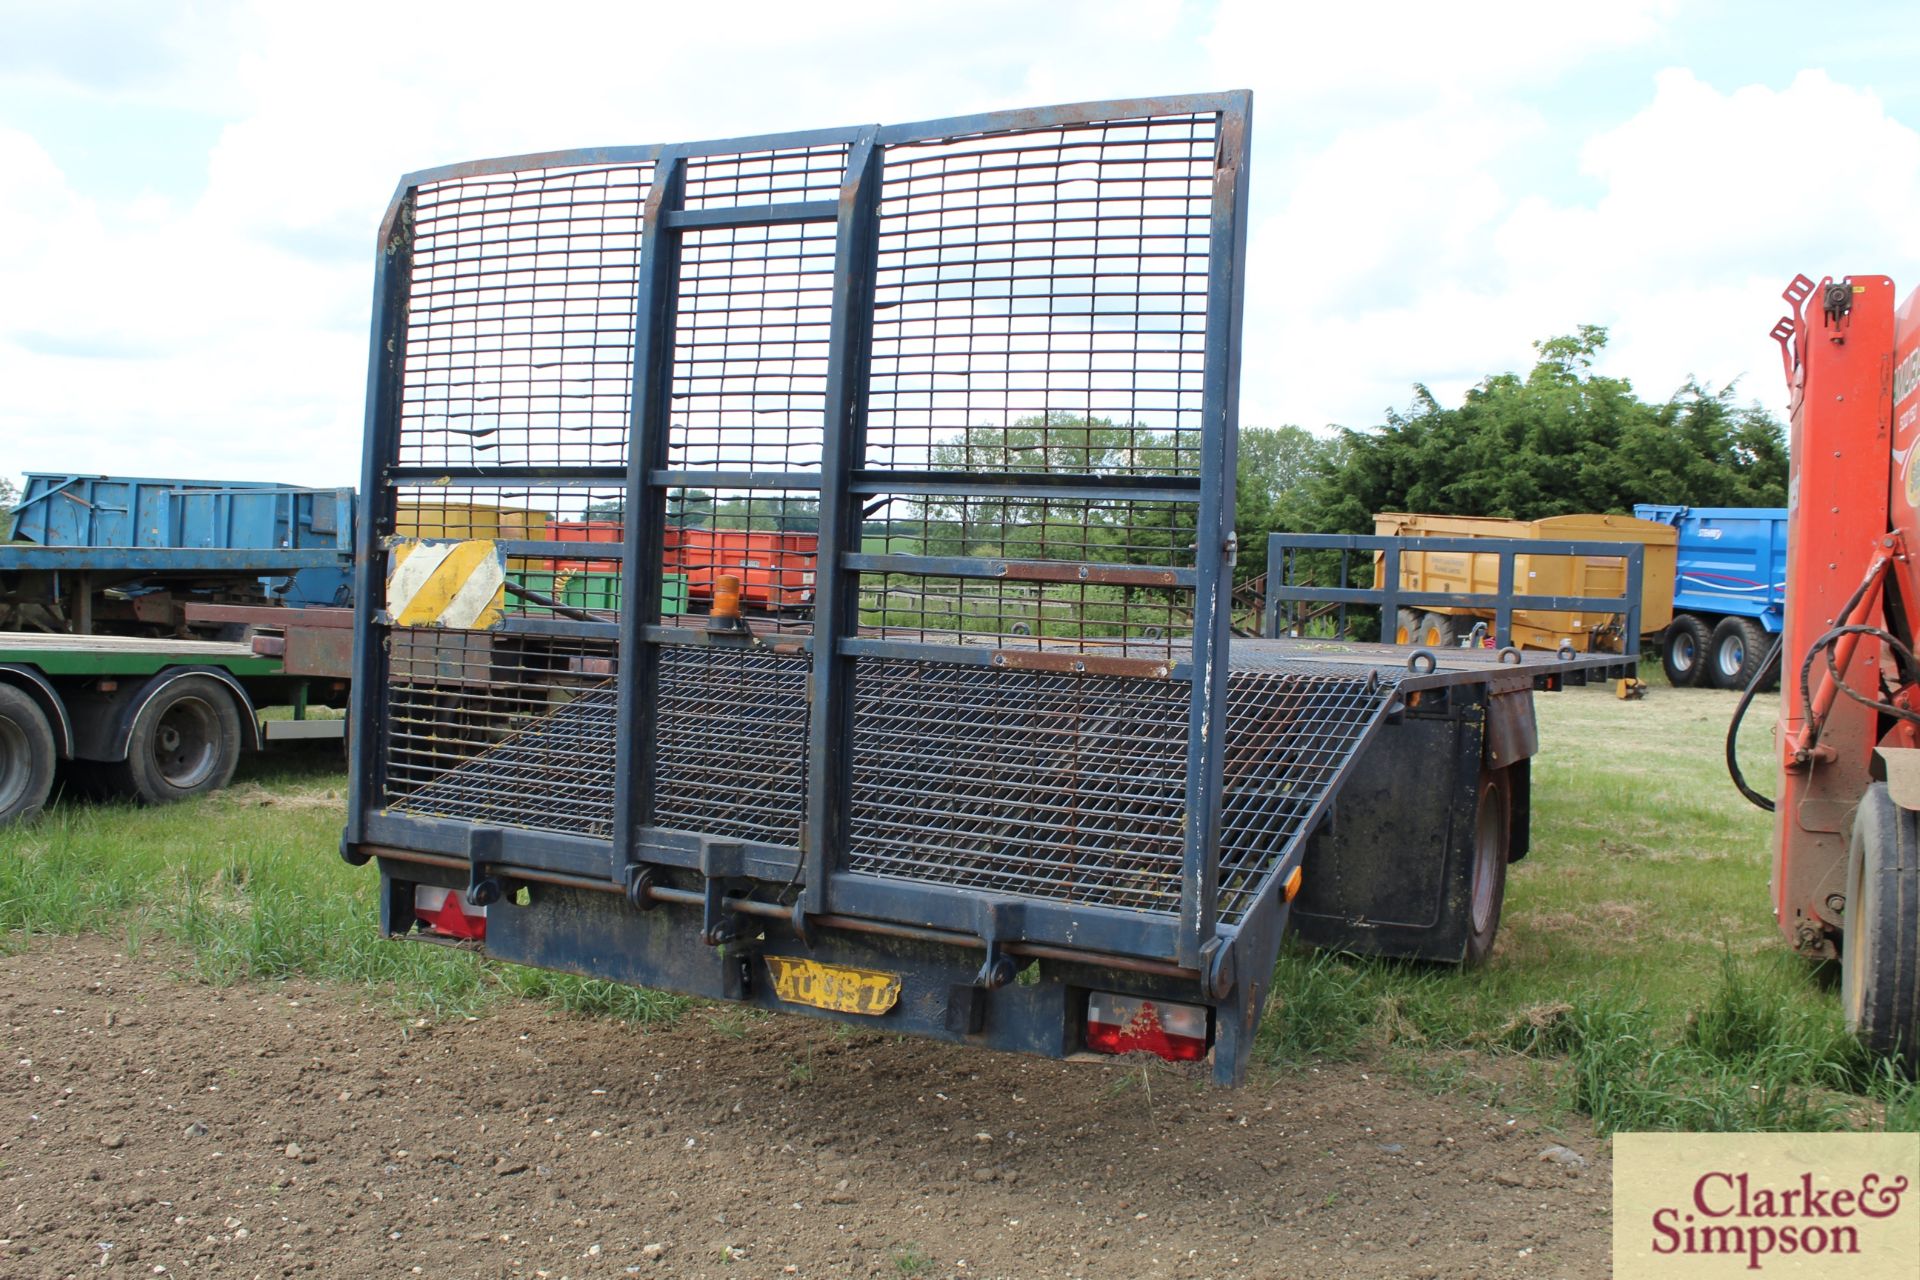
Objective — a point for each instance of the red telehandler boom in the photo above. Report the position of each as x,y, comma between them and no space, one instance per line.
1846,852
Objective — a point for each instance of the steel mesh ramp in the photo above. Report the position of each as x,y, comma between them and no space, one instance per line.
1051,785
790,439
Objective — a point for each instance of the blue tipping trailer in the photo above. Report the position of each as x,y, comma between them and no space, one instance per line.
1730,585
128,552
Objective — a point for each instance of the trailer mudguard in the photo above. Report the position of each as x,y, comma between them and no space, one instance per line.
103,724
41,690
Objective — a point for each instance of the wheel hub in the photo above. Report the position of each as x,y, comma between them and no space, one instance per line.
16,764
184,749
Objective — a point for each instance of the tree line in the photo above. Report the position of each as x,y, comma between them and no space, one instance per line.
1557,440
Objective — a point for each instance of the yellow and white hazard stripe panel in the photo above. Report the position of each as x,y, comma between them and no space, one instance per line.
446,584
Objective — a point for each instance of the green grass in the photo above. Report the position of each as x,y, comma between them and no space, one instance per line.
1639,982
1638,964
249,880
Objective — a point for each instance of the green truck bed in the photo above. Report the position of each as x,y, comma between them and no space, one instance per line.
66,655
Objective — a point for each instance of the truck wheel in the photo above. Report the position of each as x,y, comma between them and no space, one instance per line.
1492,839
26,756
1436,632
1406,627
1880,952
1738,648
1683,651
186,741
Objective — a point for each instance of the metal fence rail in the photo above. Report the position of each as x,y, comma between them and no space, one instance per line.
1383,554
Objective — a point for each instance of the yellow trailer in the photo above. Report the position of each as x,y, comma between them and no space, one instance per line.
1458,572
492,521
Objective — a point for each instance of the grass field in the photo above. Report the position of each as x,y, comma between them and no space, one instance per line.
1638,982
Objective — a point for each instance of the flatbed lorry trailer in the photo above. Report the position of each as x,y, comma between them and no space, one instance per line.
1010,782
160,719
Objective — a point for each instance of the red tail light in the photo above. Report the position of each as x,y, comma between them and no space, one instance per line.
1128,1024
445,912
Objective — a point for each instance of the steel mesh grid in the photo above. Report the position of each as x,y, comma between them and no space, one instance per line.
1073,786
519,328
732,723
579,577
788,175
767,539
1290,736
1030,604
553,774
753,309
733,741
1038,783
1136,622
453,696
1045,290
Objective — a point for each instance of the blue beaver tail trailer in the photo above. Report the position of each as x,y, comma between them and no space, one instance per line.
1729,589
128,554
144,629
1011,782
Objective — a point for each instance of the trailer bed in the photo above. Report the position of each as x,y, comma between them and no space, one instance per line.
61,654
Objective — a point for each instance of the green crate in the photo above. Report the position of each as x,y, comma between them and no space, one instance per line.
593,591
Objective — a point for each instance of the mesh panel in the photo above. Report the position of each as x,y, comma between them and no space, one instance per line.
750,348
455,695
1041,300
781,176
519,329
1290,736
733,742
1058,786
733,725
1073,786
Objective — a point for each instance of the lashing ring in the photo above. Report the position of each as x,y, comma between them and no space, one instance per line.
1415,658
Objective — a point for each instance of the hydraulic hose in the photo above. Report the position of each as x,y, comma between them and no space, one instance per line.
1770,665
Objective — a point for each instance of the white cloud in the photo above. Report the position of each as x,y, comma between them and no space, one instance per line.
1427,199
221,329
1390,52
1707,203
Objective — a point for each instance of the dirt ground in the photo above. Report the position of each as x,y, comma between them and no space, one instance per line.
151,1125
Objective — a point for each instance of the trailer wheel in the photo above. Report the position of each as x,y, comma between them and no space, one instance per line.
1492,837
186,741
1880,950
1406,627
1436,632
1738,649
26,756
1683,651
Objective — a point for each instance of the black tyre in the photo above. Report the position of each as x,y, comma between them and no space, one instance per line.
186,741
1880,951
1436,632
1683,651
26,756
1492,843
1736,652
1407,627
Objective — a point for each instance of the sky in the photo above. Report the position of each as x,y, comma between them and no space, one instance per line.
190,192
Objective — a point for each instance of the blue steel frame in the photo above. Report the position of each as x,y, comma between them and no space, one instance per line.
1502,600
1192,944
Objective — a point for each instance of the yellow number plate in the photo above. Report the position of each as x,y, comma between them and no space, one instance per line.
838,987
